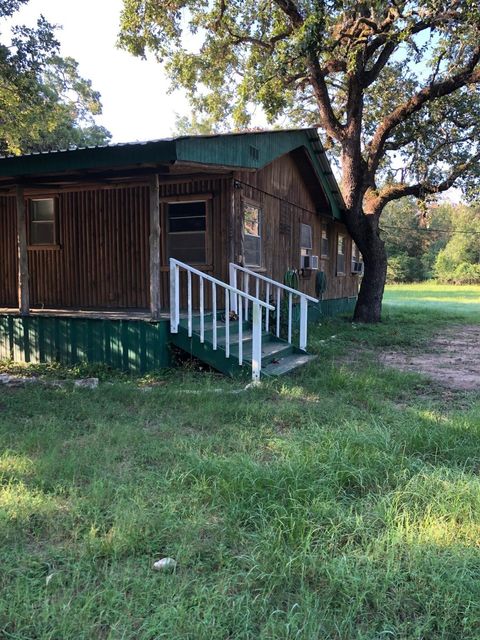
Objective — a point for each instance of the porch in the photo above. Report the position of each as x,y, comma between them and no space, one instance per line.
233,327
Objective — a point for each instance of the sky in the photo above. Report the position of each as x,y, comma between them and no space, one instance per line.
134,92
136,105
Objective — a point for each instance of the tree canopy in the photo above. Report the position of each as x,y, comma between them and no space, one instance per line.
44,102
393,85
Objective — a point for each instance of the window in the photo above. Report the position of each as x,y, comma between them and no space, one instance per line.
305,245
252,235
187,226
341,243
42,222
357,260
324,248
306,237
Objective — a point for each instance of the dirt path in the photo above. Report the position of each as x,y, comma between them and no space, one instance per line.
453,359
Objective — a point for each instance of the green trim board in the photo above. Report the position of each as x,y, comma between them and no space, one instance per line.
330,308
137,346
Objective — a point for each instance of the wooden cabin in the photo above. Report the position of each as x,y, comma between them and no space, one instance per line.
87,235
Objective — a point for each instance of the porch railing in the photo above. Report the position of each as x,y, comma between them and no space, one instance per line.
234,300
278,291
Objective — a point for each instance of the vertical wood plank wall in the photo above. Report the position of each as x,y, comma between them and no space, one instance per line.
8,252
281,227
102,259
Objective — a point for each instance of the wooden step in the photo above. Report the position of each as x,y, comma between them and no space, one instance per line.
278,356
271,350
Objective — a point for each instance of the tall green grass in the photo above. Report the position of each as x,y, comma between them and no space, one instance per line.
342,502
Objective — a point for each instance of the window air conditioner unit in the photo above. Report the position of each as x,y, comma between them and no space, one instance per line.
357,267
309,262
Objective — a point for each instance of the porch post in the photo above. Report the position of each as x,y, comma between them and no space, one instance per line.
155,299
22,268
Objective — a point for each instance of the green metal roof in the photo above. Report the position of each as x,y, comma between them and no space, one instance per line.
250,150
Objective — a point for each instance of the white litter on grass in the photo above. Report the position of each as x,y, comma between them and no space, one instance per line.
165,564
49,577
327,339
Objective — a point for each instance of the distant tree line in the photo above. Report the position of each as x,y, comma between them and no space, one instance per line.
441,242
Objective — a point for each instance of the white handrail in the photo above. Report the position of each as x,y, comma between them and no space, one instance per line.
280,288
232,295
280,285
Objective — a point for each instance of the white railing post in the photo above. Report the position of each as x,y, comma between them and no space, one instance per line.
189,302
246,289
267,313
303,322
202,312
174,297
278,312
227,323
256,341
214,311
289,329
233,283
240,334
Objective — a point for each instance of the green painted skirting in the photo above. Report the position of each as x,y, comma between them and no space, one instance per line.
130,345
330,308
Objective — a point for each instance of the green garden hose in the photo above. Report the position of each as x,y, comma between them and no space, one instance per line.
320,284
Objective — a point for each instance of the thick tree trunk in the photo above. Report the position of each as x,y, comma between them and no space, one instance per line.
369,303
364,230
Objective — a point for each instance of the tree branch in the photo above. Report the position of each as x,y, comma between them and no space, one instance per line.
431,92
418,190
328,119
291,10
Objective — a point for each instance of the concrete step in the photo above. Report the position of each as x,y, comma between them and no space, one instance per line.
284,365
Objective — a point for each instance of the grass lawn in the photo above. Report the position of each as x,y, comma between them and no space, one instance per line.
339,503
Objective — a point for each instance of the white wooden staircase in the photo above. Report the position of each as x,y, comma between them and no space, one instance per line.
247,332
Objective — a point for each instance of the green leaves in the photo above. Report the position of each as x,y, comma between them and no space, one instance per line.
44,102
346,65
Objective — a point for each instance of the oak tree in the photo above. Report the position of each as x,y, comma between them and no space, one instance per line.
393,86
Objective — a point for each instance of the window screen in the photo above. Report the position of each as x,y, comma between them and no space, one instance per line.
42,221
187,225
252,238
356,259
305,236
341,254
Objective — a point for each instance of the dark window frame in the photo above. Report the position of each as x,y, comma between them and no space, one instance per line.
246,202
42,246
205,198
342,236
356,258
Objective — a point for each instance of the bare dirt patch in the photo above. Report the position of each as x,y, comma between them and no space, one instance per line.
452,359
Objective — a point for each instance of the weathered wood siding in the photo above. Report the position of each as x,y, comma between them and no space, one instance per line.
288,204
8,252
102,257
